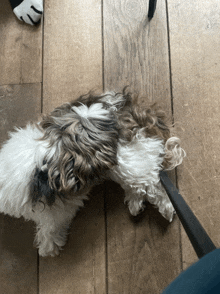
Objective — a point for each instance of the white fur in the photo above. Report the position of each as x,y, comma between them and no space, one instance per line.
137,172
19,157
94,111
116,101
139,163
173,149
53,223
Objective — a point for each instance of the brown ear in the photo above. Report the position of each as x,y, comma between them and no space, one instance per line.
61,173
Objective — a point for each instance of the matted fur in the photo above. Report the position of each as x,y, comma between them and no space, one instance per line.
47,169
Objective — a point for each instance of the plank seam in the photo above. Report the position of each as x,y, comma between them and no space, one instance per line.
42,79
42,72
106,240
169,60
105,190
38,273
172,110
103,44
20,84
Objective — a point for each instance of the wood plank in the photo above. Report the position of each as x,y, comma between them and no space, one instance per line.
136,54
72,50
143,252
195,52
18,257
73,66
20,50
136,50
18,105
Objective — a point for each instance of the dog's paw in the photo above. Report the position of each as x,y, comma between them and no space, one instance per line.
49,250
136,206
168,211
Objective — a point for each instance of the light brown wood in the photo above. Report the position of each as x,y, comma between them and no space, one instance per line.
143,252
108,251
136,50
73,66
18,105
20,50
20,62
143,257
195,54
72,50
18,257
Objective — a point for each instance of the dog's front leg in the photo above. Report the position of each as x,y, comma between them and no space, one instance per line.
51,235
157,196
50,240
134,198
134,195
52,226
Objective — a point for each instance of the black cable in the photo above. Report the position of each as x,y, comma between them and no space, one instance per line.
198,237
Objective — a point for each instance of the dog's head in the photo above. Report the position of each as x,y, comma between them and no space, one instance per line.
84,143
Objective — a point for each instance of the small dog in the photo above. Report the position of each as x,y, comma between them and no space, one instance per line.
48,168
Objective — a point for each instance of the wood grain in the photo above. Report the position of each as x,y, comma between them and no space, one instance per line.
73,66
18,105
136,50
144,256
18,257
72,50
129,255
195,54
20,50
143,252
20,62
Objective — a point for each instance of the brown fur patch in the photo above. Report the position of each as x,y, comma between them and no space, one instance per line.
151,120
86,148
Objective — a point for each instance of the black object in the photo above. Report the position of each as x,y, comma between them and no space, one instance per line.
152,8
202,277
198,237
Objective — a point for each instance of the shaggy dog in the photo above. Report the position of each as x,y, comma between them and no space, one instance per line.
48,168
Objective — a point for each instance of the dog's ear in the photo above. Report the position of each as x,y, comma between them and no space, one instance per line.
62,173
40,188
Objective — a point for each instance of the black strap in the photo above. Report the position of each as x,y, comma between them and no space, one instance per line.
198,237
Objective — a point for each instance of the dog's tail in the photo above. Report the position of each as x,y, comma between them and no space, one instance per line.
174,153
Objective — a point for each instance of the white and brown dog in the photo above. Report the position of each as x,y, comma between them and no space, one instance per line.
48,168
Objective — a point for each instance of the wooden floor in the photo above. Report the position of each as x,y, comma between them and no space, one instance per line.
106,45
